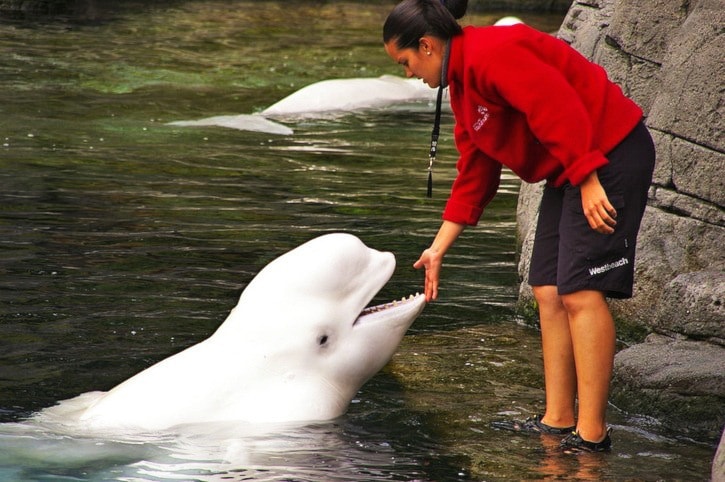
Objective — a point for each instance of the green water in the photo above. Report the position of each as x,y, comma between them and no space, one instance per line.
124,240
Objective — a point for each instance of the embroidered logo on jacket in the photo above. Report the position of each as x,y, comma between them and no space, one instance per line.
483,116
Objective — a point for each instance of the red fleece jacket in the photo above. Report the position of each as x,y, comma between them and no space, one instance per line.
528,101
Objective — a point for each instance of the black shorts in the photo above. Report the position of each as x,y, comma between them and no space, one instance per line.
568,253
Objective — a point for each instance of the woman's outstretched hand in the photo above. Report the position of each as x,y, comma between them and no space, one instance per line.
432,258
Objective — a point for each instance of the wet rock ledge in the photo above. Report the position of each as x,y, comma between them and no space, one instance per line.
666,55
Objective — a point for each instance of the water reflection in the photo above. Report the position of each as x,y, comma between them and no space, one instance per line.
124,240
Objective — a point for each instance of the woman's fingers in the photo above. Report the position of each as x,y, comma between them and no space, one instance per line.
601,220
431,285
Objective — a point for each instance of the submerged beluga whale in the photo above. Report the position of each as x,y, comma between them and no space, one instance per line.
297,347
323,98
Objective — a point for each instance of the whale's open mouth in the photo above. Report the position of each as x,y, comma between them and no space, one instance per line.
410,303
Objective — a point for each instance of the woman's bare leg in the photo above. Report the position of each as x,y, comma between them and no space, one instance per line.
594,341
559,370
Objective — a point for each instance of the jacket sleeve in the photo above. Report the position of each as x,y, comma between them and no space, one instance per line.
553,108
475,185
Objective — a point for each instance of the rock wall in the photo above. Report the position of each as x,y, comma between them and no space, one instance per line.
668,56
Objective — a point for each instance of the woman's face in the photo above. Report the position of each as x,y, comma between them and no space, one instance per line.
425,62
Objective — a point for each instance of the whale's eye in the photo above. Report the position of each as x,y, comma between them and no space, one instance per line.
322,340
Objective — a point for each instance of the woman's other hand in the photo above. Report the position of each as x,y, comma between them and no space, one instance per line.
599,212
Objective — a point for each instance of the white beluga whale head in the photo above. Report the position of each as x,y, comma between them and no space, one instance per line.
297,347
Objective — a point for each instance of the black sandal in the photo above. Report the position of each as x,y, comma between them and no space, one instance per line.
575,444
531,425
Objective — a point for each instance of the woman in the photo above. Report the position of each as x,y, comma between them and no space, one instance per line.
528,101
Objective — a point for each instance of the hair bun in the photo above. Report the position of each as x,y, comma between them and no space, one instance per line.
456,7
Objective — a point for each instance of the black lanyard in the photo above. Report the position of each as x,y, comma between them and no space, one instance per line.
434,141
437,121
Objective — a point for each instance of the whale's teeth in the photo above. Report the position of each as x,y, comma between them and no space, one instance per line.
386,306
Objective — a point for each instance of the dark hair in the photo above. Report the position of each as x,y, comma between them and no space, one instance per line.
412,19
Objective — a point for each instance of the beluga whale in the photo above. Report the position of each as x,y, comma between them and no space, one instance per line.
297,347
345,95
322,99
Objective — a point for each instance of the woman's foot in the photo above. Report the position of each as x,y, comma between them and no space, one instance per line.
574,444
531,425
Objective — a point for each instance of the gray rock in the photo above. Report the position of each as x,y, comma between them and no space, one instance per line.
527,211
680,382
691,305
689,102
646,29
718,462
585,26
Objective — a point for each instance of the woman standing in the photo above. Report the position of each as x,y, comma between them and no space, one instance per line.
528,101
